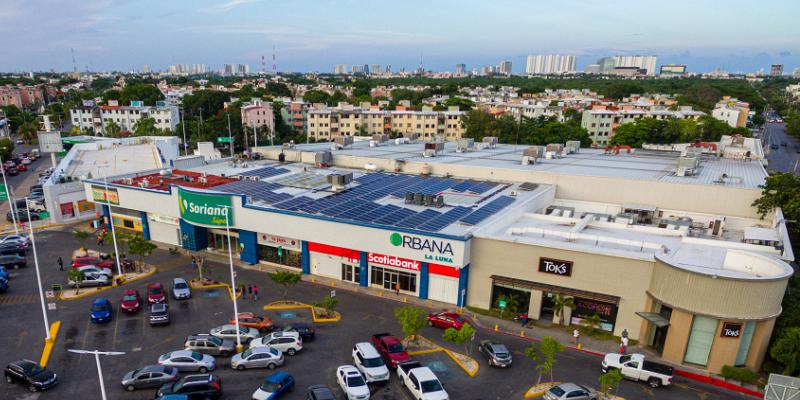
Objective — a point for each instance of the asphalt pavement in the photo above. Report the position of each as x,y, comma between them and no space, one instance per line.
786,158
363,315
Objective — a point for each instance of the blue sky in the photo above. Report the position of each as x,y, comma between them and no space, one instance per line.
315,35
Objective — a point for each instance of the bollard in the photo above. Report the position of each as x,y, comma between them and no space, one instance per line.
579,346
313,279
495,328
405,299
522,333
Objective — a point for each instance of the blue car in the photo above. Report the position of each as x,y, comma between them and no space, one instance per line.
3,273
3,285
102,310
174,397
274,386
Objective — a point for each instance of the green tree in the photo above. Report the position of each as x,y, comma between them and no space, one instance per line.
460,336
278,89
786,350
460,102
76,276
6,149
316,96
609,381
781,190
27,132
412,320
591,323
112,129
336,98
561,302
544,354
793,125
82,236
140,248
284,278
148,93
146,127
329,304
512,304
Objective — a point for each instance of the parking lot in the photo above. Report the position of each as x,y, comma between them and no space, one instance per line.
363,315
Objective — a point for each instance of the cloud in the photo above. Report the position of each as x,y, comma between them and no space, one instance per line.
224,7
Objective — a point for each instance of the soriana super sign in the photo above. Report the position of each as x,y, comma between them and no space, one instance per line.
205,208
392,261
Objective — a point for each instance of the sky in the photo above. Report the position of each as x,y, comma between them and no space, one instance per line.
314,35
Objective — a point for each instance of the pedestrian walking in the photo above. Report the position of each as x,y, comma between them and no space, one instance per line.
250,290
255,293
623,348
397,288
523,319
60,264
244,292
576,335
625,334
100,240
194,262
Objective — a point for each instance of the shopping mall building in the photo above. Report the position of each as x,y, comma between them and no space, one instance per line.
663,246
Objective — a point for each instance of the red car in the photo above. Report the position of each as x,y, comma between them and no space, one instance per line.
155,293
445,320
83,261
21,168
131,301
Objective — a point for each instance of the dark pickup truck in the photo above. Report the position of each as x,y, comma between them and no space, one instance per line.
391,349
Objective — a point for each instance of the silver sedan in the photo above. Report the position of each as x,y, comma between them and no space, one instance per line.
151,376
259,357
228,331
185,360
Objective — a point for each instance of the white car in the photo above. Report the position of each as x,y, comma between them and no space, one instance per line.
352,383
228,331
257,357
287,342
91,279
20,238
185,360
26,161
93,269
367,359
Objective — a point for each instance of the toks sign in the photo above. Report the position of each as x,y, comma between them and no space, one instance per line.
205,209
731,330
555,267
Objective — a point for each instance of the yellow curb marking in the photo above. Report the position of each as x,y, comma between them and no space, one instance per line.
538,390
451,354
49,343
294,305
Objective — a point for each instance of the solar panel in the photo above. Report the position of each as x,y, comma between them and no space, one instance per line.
265,172
445,219
487,210
417,219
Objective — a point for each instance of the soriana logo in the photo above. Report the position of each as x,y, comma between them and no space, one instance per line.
392,261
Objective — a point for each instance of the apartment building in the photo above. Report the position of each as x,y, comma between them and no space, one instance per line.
733,111
295,114
258,114
601,120
326,123
544,64
96,118
24,96
641,62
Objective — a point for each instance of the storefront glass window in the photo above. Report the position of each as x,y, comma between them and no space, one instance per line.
586,308
350,273
286,257
744,344
389,278
220,242
700,340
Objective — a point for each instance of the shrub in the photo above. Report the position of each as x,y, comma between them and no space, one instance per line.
743,375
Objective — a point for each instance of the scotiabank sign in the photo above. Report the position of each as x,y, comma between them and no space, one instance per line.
391,261
555,267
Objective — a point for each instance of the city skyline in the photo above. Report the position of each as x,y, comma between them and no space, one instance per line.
111,35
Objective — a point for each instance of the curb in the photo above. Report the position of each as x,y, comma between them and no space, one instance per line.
104,288
464,367
539,389
49,343
450,353
294,305
216,285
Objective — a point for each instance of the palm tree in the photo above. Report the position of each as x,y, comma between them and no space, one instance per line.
560,303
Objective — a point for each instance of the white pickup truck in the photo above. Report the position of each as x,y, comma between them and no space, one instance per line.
635,367
420,381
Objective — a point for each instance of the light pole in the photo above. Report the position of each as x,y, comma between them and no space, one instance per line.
111,222
97,354
239,347
10,200
230,135
185,143
38,275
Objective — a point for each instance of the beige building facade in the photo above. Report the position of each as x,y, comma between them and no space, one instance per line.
328,123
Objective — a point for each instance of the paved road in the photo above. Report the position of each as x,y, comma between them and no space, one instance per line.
363,316
784,158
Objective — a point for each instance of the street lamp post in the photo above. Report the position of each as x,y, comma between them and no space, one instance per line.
230,135
239,347
111,222
10,200
38,275
97,354
185,143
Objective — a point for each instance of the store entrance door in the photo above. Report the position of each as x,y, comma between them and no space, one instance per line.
390,279
660,334
546,314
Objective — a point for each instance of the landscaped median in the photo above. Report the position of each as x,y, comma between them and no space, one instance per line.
210,284
72,294
49,343
294,305
424,346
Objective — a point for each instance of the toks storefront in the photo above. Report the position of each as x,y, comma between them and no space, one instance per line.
425,265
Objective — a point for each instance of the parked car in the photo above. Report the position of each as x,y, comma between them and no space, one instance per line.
390,348
367,359
91,279
102,310
306,331
635,367
12,171
257,357
3,272
445,320
202,386
228,331
150,376
180,289
250,320
774,146
26,161
570,391
155,293
88,260
22,216
185,360
23,167
274,386
421,381
352,383
159,314
91,269
13,260
287,342
131,301
211,345
31,374
3,285
21,238
12,248
319,392
496,354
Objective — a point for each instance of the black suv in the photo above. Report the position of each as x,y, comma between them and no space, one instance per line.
12,248
306,331
30,374
203,386
13,260
22,216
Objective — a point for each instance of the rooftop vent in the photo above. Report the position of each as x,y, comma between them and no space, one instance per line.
465,145
687,166
491,141
340,181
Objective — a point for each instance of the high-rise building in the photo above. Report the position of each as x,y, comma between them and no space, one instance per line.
504,68
340,69
606,65
375,69
672,70
366,69
796,73
229,69
146,69
357,69
776,70
641,62
550,64
387,69
461,69
243,69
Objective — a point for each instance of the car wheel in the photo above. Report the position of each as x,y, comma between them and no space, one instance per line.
32,389
291,352
654,382
130,388
203,370
240,367
271,366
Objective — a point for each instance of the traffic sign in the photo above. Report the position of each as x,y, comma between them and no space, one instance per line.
333,293
3,192
501,304
224,139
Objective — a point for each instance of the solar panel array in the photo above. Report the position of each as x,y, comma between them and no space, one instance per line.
265,172
492,207
255,191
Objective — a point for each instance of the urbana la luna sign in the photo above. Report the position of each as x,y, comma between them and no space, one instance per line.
443,251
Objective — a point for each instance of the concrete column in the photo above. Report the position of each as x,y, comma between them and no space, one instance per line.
423,280
363,277
305,258
535,307
249,242
107,216
145,225
463,282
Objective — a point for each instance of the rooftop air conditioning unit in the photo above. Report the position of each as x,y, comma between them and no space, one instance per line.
439,201
127,181
491,141
288,145
339,181
687,166
380,137
428,200
402,140
323,158
343,141
465,145
556,149
412,136
573,146
409,197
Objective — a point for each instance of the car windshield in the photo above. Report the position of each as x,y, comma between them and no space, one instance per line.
353,381
373,362
180,285
557,391
99,307
155,290
247,353
274,352
431,386
32,369
501,355
396,348
197,356
269,387
215,340
129,297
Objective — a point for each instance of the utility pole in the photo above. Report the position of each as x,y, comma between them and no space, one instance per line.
10,199
38,275
255,134
185,143
230,135
228,212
